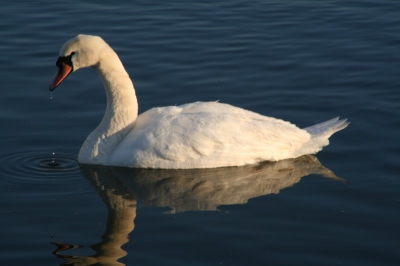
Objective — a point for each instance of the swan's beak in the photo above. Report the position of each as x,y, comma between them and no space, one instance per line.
63,71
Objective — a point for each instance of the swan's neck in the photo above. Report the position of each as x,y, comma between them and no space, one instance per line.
120,115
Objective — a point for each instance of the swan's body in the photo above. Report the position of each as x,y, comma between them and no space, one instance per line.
196,135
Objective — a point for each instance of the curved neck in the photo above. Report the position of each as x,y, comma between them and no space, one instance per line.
121,112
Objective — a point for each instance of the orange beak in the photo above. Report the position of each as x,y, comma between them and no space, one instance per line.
63,71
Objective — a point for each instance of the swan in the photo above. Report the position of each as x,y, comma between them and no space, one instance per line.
194,135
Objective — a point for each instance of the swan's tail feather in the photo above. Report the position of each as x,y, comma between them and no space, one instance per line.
320,134
327,128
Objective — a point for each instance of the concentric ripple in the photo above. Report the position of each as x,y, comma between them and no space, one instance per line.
39,165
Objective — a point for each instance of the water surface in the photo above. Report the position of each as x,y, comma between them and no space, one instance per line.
302,61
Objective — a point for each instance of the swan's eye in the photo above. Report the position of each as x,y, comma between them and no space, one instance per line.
65,59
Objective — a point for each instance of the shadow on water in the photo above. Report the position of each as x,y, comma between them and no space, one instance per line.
180,190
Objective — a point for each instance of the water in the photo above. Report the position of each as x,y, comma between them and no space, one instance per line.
303,61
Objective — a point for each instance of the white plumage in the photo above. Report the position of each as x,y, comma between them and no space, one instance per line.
195,135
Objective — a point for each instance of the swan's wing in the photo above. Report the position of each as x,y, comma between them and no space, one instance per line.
207,135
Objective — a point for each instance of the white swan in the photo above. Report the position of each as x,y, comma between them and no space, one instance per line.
195,135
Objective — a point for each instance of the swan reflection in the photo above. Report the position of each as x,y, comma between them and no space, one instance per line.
180,190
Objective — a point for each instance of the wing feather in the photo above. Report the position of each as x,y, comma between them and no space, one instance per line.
212,133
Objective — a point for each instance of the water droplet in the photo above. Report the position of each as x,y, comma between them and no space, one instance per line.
51,95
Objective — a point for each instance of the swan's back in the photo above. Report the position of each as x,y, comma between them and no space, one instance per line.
207,134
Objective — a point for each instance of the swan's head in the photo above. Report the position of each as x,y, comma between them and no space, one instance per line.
78,52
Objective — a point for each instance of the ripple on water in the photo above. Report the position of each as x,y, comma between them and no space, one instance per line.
34,166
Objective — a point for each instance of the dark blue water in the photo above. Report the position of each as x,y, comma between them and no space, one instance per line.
302,61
